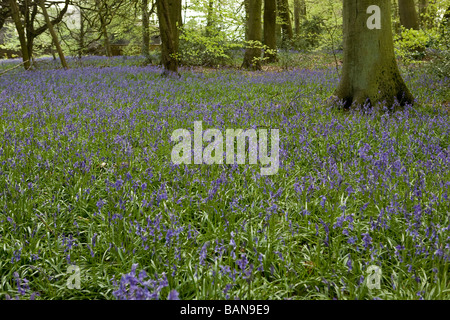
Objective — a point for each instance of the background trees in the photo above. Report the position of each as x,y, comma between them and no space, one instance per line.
52,32
211,33
28,25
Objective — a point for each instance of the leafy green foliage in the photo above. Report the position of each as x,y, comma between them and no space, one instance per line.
10,39
198,47
411,44
414,46
310,33
439,53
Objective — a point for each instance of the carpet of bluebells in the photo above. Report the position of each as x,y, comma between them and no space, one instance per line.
86,180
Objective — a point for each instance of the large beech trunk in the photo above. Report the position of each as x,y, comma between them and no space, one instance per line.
20,30
168,17
253,51
370,72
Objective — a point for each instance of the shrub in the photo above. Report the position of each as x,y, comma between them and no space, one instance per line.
196,47
439,54
310,33
411,44
432,45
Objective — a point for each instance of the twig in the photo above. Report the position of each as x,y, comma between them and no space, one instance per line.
48,227
331,34
13,68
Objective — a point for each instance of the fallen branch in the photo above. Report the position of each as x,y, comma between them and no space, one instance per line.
13,68
46,225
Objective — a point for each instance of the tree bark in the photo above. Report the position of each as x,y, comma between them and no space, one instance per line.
286,25
82,34
278,32
297,16
169,47
20,30
247,10
108,49
408,14
145,31
253,51
99,5
175,18
26,31
370,73
179,9
53,34
396,17
270,24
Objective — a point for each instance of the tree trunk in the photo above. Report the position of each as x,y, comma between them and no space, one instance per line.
82,34
253,51
270,23
370,72
52,52
175,18
53,34
286,25
297,16
23,41
408,14
145,31
108,51
179,8
278,33
168,44
30,43
247,10
396,17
